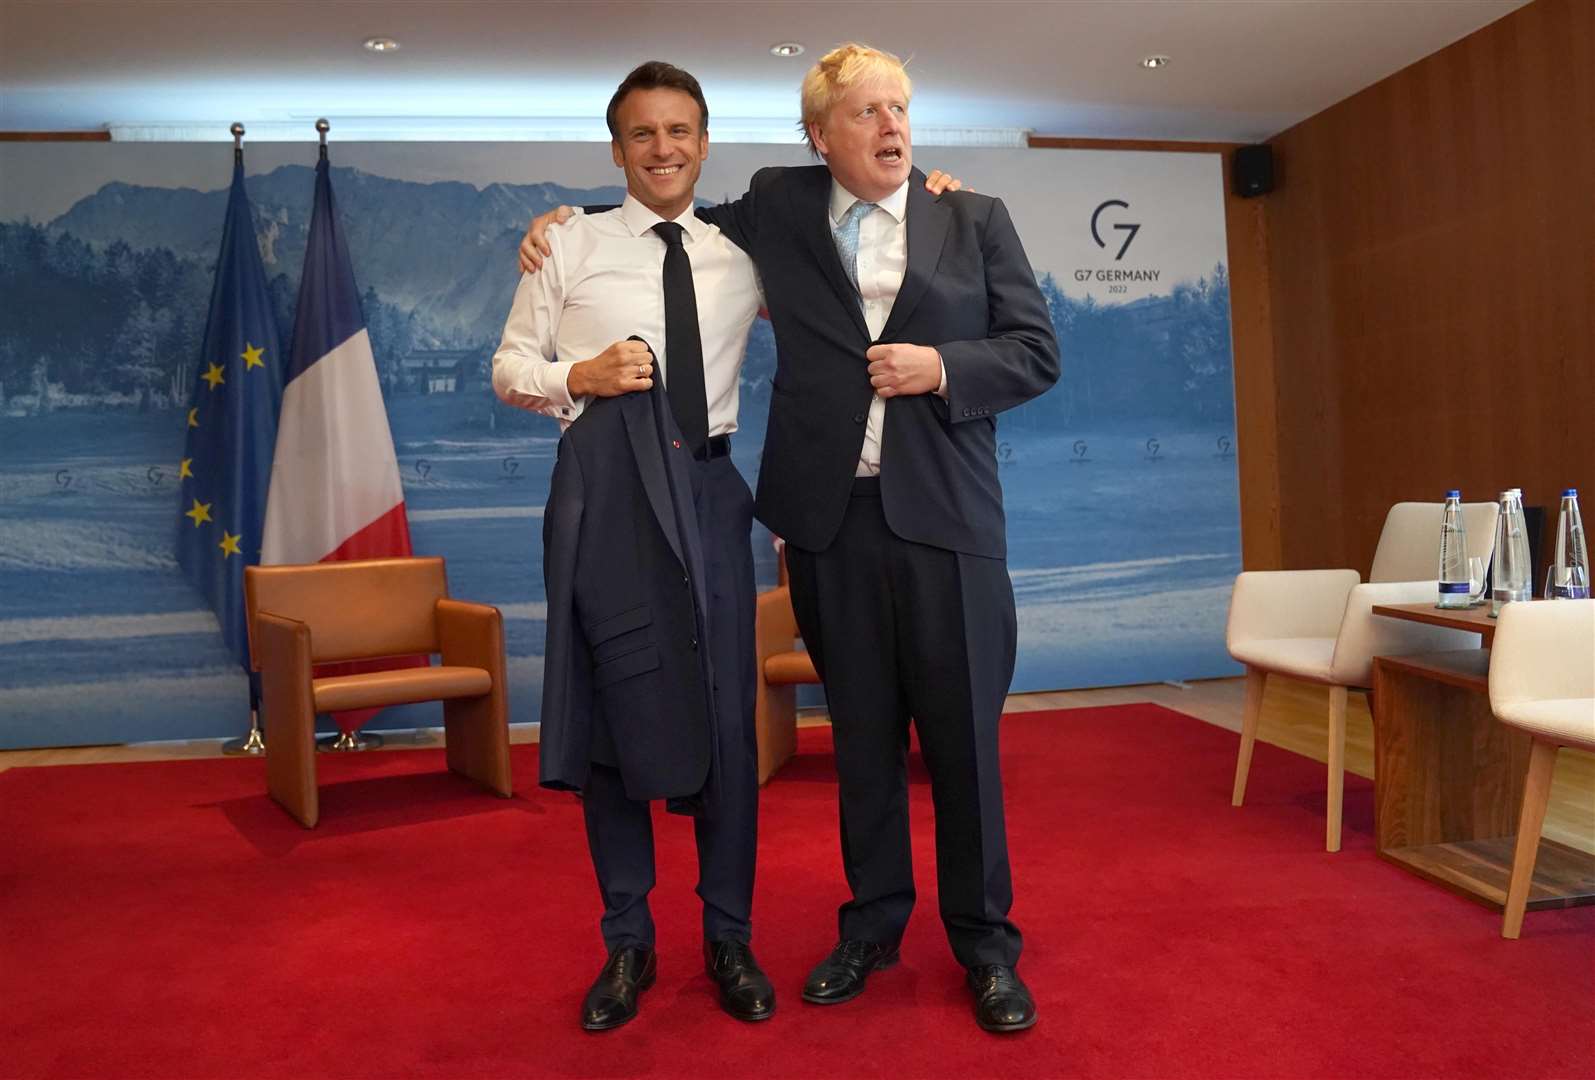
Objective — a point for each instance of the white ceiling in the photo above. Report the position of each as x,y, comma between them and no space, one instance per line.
1242,69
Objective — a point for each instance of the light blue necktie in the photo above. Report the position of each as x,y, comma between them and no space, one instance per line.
846,234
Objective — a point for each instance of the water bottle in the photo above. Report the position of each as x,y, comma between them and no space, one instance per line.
1453,554
1570,571
1512,571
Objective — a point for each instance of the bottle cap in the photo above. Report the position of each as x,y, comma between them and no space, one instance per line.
1570,492
1453,494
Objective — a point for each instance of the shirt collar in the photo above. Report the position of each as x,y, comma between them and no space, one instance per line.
895,204
639,219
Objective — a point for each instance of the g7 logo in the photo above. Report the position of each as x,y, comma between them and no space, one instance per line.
1129,230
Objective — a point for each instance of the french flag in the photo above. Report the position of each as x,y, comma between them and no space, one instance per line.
335,491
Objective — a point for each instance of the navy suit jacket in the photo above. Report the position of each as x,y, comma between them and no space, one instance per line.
968,290
623,568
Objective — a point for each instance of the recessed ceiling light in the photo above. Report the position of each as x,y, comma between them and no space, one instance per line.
786,48
1155,61
381,44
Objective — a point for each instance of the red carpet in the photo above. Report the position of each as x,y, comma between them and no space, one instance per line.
166,920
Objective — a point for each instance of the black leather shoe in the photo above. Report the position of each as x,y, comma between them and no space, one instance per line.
840,976
1002,1001
745,991
612,1000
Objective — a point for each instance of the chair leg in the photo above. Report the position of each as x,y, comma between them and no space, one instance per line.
1251,714
291,753
476,740
1536,796
1337,766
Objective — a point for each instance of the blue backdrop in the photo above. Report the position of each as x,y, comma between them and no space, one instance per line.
1120,483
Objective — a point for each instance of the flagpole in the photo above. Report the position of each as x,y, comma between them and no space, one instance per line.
253,744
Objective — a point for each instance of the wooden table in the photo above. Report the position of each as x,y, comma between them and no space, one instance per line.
1448,777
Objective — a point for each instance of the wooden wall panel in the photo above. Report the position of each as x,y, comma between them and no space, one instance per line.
1431,267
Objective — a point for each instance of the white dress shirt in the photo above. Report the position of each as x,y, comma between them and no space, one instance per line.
882,261
604,282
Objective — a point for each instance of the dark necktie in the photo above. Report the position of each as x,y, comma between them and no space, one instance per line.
683,345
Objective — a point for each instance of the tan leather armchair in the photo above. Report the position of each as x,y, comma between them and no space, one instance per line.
780,668
300,616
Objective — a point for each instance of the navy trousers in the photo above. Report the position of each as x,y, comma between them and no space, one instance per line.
620,830
901,631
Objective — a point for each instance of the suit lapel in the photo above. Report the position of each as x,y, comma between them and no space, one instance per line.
928,222
811,200
647,447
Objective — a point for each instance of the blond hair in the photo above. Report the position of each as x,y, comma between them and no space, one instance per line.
838,71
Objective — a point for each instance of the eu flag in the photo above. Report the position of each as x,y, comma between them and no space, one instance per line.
232,426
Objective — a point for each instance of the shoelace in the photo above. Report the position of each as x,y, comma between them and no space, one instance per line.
990,977
622,963
729,954
857,951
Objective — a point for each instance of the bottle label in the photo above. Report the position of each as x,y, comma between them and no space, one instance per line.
1452,588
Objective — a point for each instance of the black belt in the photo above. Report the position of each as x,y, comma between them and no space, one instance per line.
717,446
866,487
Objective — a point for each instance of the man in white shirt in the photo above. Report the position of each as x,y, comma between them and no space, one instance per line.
652,270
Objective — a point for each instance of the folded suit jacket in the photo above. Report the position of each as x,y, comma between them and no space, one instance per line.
627,610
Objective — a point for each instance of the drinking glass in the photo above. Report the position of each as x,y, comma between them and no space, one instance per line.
1475,580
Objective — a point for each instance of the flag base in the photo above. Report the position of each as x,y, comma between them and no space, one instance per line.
348,742
252,744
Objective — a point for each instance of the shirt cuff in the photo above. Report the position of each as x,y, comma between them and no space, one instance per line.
941,390
558,391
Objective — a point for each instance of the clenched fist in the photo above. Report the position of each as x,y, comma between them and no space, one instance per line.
624,367
895,370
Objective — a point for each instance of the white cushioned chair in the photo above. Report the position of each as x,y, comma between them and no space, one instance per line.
1319,626
1542,681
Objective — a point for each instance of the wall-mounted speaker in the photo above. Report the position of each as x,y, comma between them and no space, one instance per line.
1252,170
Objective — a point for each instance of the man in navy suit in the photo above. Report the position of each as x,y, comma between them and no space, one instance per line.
903,323
880,472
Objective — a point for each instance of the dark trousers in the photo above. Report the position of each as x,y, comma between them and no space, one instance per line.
620,830
900,630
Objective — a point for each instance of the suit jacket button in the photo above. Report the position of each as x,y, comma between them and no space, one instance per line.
858,418
966,412
693,644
